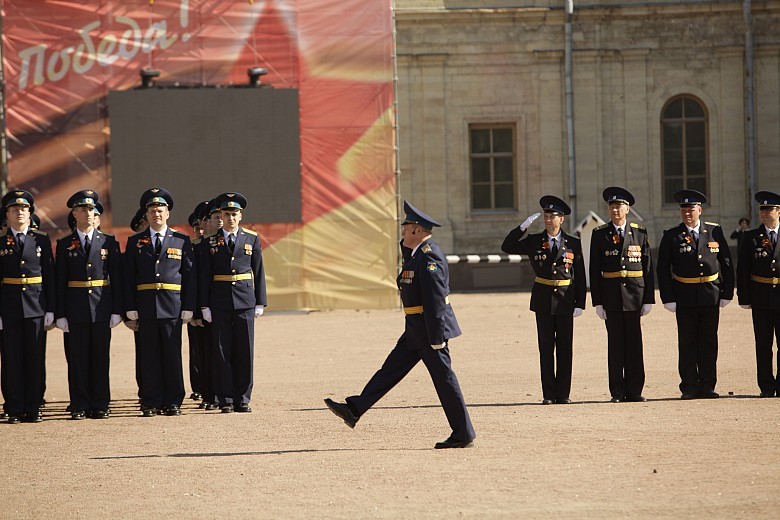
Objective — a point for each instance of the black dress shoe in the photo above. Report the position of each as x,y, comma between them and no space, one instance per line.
547,401
3,415
635,399
228,408
172,410
12,419
212,406
710,394
343,411
767,394
203,404
243,408
563,401
616,400
148,412
32,417
195,396
99,414
687,396
453,443
77,415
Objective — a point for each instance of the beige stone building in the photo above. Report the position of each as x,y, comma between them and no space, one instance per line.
659,103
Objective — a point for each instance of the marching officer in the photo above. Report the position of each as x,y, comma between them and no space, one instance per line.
558,294
159,293
194,329
758,286
232,295
696,279
430,324
89,305
27,304
622,289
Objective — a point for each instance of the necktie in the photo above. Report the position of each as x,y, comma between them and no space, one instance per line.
158,244
20,240
231,242
620,232
87,244
773,236
695,236
554,248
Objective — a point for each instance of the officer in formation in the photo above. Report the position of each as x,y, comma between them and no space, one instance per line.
194,327
430,324
558,294
159,292
27,305
89,305
232,294
696,279
622,289
758,287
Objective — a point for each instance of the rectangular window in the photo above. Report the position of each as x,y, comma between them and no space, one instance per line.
492,159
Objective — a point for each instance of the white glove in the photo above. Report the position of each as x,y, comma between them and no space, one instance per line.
646,308
48,319
115,320
132,325
577,312
1,323
529,221
186,316
745,306
600,312
259,311
723,303
671,306
132,315
62,324
206,314
437,347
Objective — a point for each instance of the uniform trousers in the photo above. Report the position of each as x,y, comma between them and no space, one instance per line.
162,379
196,358
88,366
625,359
207,368
23,346
43,365
398,363
138,365
766,327
233,334
554,332
697,344
3,368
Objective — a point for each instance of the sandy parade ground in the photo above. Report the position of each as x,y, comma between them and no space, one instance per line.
292,458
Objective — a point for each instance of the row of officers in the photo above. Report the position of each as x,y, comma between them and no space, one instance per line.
214,283
695,276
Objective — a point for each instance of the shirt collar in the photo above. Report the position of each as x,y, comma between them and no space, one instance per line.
17,231
556,237
163,231
81,234
773,229
226,233
694,229
618,228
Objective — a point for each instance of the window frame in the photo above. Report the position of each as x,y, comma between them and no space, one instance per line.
492,155
684,120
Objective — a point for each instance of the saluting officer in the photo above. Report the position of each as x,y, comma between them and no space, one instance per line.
27,304
89,305
232,295
159,293
696,279
622,289
430,324
558,294
758,286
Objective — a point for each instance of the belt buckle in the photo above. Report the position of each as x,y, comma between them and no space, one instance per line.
775,281
23,281
703,279
88,283
158,285
233,278
623,273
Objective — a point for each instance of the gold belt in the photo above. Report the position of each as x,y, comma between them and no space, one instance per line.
158,286
418,309
23,281
763,279
696,279
90,283
622,274
554,283
232,277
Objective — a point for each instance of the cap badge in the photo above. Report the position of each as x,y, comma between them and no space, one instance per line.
18,193
155,190
230,194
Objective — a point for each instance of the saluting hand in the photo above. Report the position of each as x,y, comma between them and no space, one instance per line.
529,221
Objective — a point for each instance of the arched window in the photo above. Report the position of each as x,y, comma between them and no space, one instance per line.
684,141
